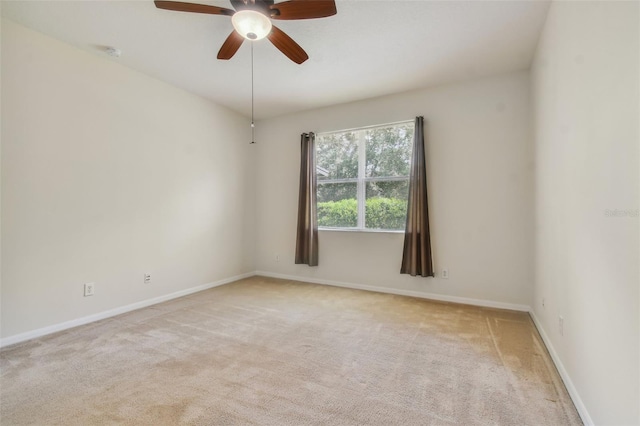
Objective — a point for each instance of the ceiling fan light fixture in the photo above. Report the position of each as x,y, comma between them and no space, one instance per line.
251,25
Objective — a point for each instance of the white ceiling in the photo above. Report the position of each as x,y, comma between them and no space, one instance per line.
369,49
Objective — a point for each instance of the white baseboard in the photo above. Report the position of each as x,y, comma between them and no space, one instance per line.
149,302
390,290
573,392
116,311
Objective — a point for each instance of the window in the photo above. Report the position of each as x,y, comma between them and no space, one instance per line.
363,177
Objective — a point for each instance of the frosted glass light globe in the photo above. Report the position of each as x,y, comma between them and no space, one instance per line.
251,25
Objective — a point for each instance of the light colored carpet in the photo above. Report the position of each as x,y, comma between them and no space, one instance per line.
272,352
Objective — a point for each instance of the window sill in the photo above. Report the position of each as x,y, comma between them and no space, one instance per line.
367,231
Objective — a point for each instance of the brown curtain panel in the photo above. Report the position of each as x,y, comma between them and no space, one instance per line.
416,257
307,238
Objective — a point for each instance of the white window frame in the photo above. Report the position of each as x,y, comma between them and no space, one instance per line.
362,180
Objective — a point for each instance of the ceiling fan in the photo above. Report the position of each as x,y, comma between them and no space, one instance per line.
252,21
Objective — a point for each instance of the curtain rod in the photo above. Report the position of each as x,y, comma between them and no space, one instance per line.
373,126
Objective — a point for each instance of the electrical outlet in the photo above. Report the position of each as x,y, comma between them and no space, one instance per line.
544,303
277,257
445,274
147,278
561,325
89,289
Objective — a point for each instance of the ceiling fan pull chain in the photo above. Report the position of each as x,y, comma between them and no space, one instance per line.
253,126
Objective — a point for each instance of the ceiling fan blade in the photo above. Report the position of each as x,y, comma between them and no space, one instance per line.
303,9
193,7
286,45
230,45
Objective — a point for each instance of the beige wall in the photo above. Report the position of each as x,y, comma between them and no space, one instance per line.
1,26
585,77
480,183
108,174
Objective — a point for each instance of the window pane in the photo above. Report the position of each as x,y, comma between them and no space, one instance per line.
385,164
338,205
386,205
337,156
389,151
